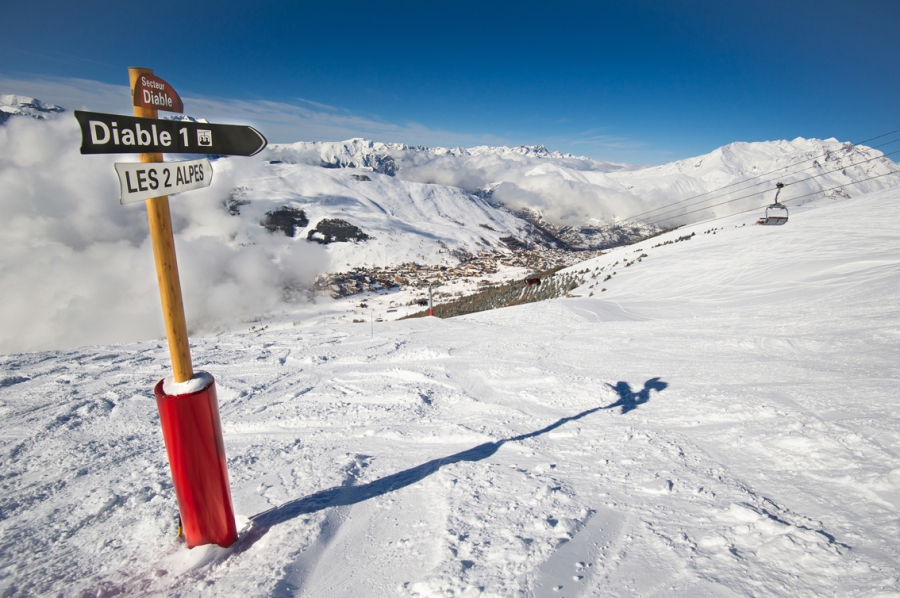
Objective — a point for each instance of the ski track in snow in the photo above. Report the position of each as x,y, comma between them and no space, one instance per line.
721,422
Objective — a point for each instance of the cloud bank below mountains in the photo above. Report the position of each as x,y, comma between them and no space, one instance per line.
566,191
77,268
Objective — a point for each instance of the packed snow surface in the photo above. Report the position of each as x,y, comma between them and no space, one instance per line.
720,421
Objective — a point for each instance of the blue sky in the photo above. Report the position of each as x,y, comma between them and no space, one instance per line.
641,81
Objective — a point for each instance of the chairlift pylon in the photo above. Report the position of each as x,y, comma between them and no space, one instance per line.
777,213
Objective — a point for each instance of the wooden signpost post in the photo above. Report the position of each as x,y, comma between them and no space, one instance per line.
187,404
163,241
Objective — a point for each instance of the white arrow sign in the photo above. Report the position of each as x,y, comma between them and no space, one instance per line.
139,181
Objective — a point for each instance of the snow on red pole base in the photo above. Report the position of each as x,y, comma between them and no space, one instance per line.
189,415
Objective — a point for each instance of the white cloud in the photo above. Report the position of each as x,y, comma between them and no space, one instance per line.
71,93
280,122
76,267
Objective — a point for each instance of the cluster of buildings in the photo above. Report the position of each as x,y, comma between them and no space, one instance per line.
481,268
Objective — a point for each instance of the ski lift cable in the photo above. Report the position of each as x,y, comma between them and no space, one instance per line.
885,143
786,184
782,201
768,173
841,168
878,137
765,190
769,181
756,209
751,185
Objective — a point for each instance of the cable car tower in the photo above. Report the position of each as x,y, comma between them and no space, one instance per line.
777,213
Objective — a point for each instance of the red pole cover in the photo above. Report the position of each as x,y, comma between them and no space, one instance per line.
193,435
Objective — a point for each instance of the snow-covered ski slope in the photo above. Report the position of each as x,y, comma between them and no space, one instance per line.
721,421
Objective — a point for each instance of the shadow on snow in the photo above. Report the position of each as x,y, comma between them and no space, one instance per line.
629,400
351,495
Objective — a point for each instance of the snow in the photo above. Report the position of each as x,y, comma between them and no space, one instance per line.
21,105
721,421
407,221
704,184
198,382
571,190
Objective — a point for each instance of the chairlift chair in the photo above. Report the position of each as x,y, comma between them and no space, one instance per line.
777,213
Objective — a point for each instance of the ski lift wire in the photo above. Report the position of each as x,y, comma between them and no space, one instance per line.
765,190
782,201
751,185
766,174
757,208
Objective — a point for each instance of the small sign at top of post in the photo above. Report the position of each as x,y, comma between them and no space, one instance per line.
151,91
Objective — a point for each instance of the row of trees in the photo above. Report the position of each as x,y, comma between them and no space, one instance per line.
505,295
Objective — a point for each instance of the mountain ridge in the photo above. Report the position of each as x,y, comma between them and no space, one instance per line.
18,105
441,208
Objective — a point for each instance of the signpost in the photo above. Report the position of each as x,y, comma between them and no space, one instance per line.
187,403
140,180
117,134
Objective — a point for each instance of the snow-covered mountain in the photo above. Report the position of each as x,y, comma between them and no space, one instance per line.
718,419
254,241
389,158
402,220
13,105
477,171
583,203
742,176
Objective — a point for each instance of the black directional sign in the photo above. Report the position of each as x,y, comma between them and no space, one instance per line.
117,134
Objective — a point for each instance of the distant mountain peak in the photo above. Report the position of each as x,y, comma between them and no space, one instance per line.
390,158
16,105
